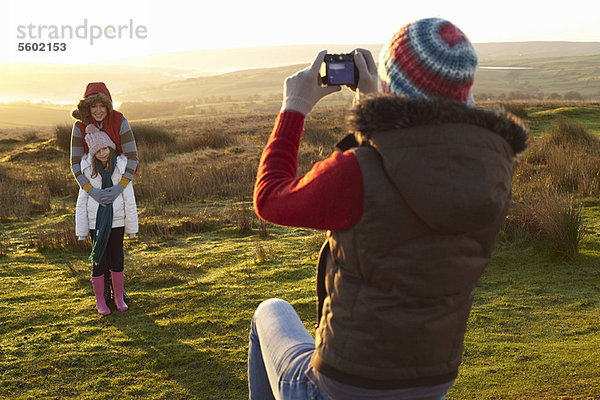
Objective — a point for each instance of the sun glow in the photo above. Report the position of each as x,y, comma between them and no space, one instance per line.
179,25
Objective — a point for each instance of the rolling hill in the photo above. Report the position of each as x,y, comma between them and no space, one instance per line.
250,74
60,83
544,76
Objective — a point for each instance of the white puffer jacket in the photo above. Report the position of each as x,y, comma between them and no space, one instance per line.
124,207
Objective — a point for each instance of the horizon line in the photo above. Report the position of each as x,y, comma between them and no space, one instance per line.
269,46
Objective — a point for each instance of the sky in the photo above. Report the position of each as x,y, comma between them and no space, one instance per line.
110,30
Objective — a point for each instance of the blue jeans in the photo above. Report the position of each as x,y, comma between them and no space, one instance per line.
279,354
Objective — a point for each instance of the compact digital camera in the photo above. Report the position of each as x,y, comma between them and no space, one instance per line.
339,69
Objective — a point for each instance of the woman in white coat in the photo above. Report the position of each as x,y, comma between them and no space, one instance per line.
106,223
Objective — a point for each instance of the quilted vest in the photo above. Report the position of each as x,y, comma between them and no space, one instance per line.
399,284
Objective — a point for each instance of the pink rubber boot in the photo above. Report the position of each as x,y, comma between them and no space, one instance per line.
117,281
98,285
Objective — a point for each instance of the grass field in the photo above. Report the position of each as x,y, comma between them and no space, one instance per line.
203,262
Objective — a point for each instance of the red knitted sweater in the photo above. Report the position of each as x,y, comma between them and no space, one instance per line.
329,196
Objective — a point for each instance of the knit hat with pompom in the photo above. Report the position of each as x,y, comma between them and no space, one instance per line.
429,57
96,140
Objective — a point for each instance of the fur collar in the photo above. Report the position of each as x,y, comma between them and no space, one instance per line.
384,112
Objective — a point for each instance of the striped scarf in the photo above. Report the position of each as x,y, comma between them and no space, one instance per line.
104,216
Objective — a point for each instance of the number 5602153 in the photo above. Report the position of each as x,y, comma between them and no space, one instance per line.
42,46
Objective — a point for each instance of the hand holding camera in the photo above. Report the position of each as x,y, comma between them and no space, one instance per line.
339,69
367,71
303,90
357,70
326,75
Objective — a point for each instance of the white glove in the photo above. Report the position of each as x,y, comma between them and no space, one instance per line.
367,73
303,90
131,235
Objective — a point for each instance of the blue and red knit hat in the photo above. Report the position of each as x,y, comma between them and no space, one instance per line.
429,57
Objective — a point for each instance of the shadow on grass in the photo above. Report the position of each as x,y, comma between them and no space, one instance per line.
201,373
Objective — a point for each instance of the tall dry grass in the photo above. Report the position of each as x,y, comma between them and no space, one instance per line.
551,219
20,199
566,158
571,133
165,226
23,195
564,164
149,135
155,142
152,153
318,135
264,229
206,140
264,254
30,137
60,181
558,169
180,183
59,237
62,134
3,248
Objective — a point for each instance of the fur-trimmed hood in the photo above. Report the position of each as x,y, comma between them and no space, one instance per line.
384,112
452,163
95,92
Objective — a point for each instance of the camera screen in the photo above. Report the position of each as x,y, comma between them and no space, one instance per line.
341,73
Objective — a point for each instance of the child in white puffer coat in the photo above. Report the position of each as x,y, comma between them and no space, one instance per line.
106,223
